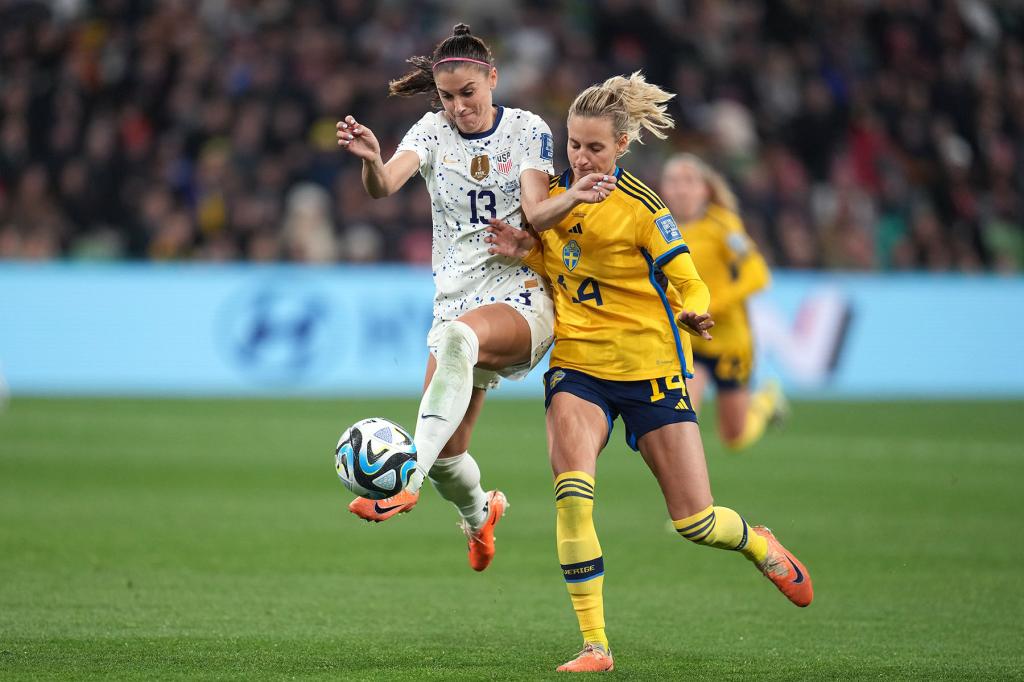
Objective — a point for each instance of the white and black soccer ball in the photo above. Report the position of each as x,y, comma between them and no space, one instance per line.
375,458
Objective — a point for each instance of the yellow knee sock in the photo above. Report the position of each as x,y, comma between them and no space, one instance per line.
723,528
579,552
759,413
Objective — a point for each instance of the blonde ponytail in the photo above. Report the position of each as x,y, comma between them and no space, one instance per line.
631,104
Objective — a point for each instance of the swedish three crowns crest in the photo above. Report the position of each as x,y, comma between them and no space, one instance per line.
571,253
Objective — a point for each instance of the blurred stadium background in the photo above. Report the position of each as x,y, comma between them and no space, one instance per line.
197,297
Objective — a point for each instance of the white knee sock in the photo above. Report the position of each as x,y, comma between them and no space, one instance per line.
457,479
446,398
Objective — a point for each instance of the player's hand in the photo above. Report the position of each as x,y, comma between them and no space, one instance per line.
593,188
696,324
357,139
506,240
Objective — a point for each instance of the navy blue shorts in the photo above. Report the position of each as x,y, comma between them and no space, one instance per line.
644,405
729,371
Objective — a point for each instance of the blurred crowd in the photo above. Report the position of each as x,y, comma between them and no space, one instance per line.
858,134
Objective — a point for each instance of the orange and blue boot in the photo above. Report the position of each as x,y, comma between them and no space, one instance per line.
785,570
481,541
382,510
593,659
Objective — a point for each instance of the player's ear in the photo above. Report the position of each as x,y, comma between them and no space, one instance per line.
492,78
621,144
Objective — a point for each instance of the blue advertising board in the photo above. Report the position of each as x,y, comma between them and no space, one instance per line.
205,330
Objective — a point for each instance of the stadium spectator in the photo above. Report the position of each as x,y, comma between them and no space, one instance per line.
859,135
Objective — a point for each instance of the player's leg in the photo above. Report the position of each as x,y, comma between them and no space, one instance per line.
455,474
491,337
456,477
743,415
675,455
486,338
733,404
577,431
697,385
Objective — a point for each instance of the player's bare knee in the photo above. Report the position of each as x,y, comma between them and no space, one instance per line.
731,430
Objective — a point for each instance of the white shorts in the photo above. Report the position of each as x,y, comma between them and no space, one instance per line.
530,298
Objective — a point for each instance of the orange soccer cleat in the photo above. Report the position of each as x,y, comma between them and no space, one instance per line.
382,510
593,659
785,570
481,542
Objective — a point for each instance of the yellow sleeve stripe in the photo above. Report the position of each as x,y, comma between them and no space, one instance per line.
631,181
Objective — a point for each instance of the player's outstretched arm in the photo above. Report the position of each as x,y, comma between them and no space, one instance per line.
544,212
380,179
752,275
696,323
509,241
696,299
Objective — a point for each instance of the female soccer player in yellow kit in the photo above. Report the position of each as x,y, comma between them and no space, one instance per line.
731,266
619,352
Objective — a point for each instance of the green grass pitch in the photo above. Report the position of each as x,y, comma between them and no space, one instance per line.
209,540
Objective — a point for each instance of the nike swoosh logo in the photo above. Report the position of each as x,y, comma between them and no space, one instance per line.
433,416
381,510
799,574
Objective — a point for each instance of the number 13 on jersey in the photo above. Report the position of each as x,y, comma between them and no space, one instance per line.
487,207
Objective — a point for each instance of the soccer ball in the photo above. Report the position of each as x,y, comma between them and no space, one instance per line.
375,458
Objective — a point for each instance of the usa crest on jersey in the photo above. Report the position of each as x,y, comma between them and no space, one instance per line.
503,162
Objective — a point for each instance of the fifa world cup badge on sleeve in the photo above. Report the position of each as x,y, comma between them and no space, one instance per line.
668,228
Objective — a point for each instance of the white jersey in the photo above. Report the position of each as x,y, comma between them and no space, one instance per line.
472,178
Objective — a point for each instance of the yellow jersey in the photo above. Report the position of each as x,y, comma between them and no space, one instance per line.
731,266
620,271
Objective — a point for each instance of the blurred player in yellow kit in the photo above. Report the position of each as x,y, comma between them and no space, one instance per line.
627,300
731,266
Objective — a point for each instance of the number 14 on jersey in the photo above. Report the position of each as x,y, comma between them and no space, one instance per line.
588,290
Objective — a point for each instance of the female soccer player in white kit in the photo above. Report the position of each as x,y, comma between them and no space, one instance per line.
492,316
